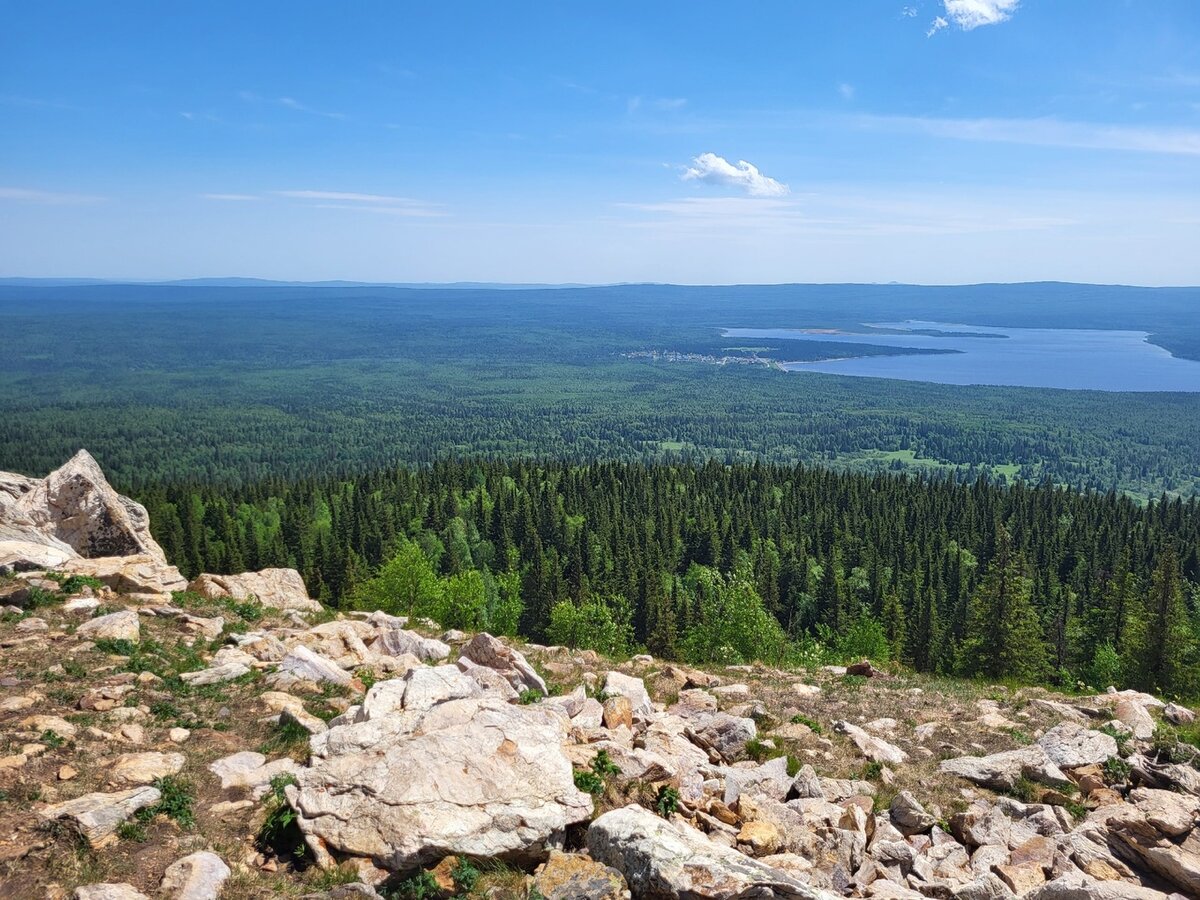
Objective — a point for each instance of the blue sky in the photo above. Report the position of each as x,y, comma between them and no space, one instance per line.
935,141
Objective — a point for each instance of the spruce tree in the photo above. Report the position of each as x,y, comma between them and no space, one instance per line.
1004,635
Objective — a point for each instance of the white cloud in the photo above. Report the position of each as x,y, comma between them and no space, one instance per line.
708,168
968,14
971,14
846,90
1048,132
909,12
51,198
232,198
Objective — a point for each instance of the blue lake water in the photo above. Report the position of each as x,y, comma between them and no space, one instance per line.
1025,357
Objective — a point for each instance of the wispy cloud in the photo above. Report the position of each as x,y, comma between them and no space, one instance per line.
50,198
1048,132
230,198
288,103
292,103
708,168
846,90
379,203
972,14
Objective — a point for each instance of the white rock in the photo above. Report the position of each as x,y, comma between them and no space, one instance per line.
633,689
426,687
303,663
199,876
131,769
97,815
486,650
251,771
481,778
215,675
119,891
118,626
1069,745
1001,771
275,588
397,642
873,748
661,859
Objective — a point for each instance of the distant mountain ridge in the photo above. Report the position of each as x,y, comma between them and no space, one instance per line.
267,282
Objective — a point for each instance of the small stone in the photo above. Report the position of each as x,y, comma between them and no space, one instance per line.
66,773
178,735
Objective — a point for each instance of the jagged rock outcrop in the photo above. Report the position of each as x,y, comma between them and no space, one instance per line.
74,521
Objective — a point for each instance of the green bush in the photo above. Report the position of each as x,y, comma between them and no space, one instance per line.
667,801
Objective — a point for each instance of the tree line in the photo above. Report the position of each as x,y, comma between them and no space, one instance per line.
729,563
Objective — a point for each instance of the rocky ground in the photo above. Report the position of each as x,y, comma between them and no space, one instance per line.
234,739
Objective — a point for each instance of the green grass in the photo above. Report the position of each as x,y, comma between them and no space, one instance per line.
177,802
812,724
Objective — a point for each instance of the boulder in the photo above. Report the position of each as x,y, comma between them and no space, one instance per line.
909,816
1173,814
618,711
216,674
309,666
118,626
133,575
485,650
873,748
662,860
573,876
1136,716
1178,715
726,734
1083,887
131,769
482,778
74,509
397,642
250,771
119,891
426,687
276,588
97,815
199,876
1001,771
1070,745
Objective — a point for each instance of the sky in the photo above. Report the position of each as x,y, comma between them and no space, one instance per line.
924,141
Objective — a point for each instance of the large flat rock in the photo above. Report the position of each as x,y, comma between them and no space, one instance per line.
475,776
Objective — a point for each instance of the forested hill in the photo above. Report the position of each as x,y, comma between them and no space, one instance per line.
730,563
240,384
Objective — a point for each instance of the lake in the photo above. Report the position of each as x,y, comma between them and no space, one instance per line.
1080,359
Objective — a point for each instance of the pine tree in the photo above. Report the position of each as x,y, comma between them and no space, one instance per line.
1161,647
1004,635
